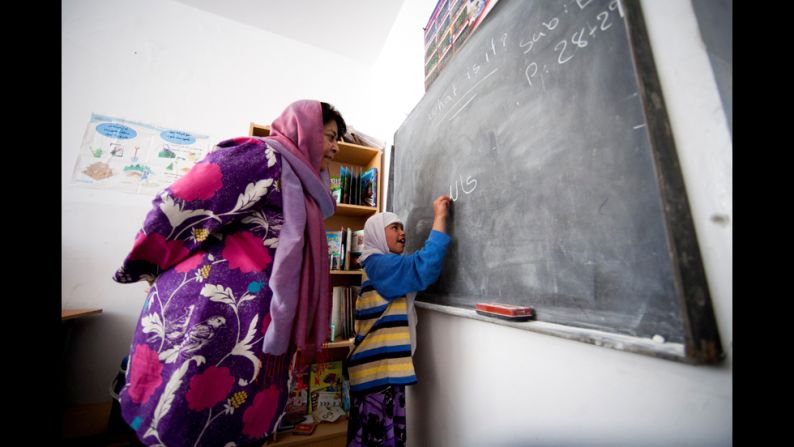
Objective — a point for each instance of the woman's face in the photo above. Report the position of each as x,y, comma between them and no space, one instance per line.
330,147
395,238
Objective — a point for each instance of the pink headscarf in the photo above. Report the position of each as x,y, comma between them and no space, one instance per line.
299,129
300,314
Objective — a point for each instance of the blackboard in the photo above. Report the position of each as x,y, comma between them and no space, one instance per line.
549,130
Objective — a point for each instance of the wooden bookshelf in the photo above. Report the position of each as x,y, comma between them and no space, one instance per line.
347,272
347,216
347,343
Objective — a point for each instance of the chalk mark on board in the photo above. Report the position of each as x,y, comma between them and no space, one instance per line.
638,127
462,107
466,93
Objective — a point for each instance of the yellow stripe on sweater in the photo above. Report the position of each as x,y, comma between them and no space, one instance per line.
394,367
370,299
379,339
397,307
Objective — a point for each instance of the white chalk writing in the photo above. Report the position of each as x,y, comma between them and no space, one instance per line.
473,73
452,102
472,183
569,47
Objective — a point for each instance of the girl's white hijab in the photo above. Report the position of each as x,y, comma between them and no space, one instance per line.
375,234
375,243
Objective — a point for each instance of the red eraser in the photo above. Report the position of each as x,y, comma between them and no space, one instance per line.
507,310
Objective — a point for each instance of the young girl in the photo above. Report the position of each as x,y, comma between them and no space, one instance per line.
380,365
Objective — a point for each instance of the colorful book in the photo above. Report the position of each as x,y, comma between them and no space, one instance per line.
334,249
336,188
356,248
345,174
369,181
356,186
325,384
298,397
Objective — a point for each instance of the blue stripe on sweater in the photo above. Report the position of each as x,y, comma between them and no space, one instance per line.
371,352
369,313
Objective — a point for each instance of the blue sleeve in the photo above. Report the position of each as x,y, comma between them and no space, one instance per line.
394,275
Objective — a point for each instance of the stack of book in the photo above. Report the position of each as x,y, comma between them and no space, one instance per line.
317,392
343,308
355,186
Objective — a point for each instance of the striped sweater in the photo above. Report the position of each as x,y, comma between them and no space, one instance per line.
382,349
381,354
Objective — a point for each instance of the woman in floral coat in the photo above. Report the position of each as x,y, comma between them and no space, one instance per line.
236,255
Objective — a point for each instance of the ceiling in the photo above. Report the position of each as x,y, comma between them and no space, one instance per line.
356,29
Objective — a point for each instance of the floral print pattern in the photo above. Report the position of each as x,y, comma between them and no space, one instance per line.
145,375
209,388
197,373
200,184
259,416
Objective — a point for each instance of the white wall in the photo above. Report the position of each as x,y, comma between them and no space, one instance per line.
479,383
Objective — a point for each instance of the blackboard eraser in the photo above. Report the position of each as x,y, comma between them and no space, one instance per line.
505,311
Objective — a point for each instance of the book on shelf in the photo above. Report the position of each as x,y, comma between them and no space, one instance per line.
344,174
334,249
350,310
336,188
342,309
348,236
325,384
336,315
306,427
344,248
368,188
357,186
356,248
298,397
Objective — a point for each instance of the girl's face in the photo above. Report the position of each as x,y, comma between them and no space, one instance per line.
395,238
330,146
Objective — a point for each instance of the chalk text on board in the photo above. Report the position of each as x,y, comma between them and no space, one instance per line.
578,40
550,25
472,73
469,182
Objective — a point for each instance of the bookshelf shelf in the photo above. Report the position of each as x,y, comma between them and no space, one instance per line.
344,209
338,344
347,272
327,434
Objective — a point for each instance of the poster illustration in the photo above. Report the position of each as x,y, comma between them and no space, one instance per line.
127,156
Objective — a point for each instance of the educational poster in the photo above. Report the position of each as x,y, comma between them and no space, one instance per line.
135,157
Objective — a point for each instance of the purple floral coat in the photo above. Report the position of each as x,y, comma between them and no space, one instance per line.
197,374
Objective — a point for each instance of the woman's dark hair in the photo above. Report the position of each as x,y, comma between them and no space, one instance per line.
330,113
